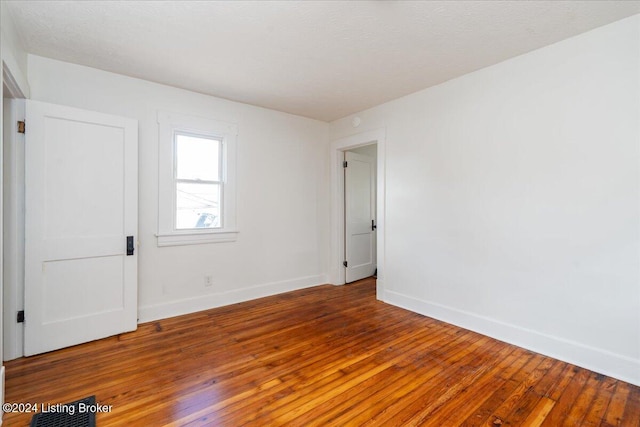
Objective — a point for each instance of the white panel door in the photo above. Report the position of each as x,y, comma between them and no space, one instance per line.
81,203
360,235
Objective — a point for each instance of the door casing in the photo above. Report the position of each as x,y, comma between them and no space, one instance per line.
13,236
336,155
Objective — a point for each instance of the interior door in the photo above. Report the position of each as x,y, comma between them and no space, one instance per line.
81,198
360,234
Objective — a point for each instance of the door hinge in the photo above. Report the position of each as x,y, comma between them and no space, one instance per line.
346,264
344,164
21,127
20,317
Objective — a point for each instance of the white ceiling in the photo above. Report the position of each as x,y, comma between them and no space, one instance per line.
320,59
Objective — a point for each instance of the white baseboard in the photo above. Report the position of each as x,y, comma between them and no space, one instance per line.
597,360
149,313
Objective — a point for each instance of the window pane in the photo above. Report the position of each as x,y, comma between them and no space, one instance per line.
197,206
197,158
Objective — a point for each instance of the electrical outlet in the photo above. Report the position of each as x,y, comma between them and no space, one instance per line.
208,281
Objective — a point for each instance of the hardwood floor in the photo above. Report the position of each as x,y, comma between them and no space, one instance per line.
324,356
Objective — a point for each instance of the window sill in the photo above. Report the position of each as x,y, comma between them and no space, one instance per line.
181,238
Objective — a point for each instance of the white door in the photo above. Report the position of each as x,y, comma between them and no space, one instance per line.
360,235
81,203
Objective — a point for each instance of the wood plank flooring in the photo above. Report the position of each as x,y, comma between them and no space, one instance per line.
324,356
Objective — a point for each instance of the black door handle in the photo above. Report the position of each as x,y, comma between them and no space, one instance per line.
130,247
373,225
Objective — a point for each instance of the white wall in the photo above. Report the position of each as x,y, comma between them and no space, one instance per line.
512,199
14,57
282,198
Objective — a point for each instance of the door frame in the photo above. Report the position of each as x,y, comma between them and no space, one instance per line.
11,286
336,156
16,87
13,233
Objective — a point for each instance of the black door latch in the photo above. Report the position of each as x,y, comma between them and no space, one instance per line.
130,248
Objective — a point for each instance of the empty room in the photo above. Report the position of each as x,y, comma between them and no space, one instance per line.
320,213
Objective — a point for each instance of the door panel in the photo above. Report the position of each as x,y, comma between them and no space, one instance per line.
81,203
79,159
66,281
361,250
359,214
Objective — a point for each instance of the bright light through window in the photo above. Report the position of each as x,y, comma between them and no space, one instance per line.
198,182
197,158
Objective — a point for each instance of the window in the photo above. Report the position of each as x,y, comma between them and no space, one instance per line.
198,181
196,184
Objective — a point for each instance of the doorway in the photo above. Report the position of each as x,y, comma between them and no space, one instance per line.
337,270
81,286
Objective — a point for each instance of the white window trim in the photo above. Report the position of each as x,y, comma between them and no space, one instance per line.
168,125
